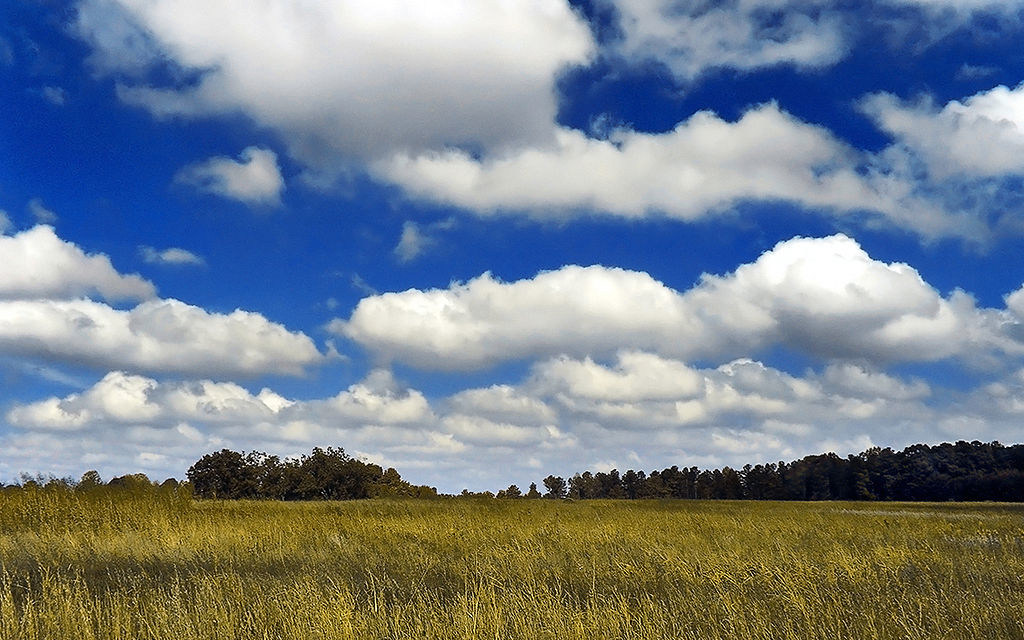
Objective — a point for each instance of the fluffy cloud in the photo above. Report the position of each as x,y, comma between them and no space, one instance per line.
45,314
566,415
172,256
255,179
981,136
125,399
574,309
124,416
691,37
826,297
830,298
739,395
38,264
5,223
341,80
705,165
158,335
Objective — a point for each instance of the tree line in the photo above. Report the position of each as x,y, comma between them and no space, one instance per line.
324,474
963,471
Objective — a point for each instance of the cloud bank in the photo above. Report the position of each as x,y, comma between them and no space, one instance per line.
565,415
825,297
619,362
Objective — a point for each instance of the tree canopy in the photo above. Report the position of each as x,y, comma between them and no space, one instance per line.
324,474
962,471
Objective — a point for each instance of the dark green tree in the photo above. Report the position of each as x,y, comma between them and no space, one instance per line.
225,474
555,487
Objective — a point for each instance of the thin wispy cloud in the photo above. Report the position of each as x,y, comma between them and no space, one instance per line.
172,256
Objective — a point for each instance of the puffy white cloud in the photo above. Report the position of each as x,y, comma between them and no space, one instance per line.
565,415
626,396
348,79
124,399
741,411
158,335
379,399
5,223
823,296
1015,303
128,415
980,136
173,256
702,167
574,309
37,264
117,397
254,179
691,37
45,315
828,297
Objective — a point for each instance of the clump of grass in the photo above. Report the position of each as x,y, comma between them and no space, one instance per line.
107,564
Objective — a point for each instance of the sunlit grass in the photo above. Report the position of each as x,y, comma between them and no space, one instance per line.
116,565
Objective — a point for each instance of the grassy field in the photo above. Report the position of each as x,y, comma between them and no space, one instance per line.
110,565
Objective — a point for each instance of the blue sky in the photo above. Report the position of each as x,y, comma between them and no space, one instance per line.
483,242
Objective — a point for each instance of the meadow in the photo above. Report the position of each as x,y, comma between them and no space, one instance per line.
108,564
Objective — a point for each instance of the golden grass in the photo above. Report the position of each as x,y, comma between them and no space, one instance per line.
120,566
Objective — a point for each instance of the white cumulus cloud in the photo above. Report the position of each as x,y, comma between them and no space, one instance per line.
158,335
981,136
348,79
36,263
49,311
822,296
565,414
253,179
702,167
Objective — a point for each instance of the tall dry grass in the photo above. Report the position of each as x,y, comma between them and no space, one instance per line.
106,565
